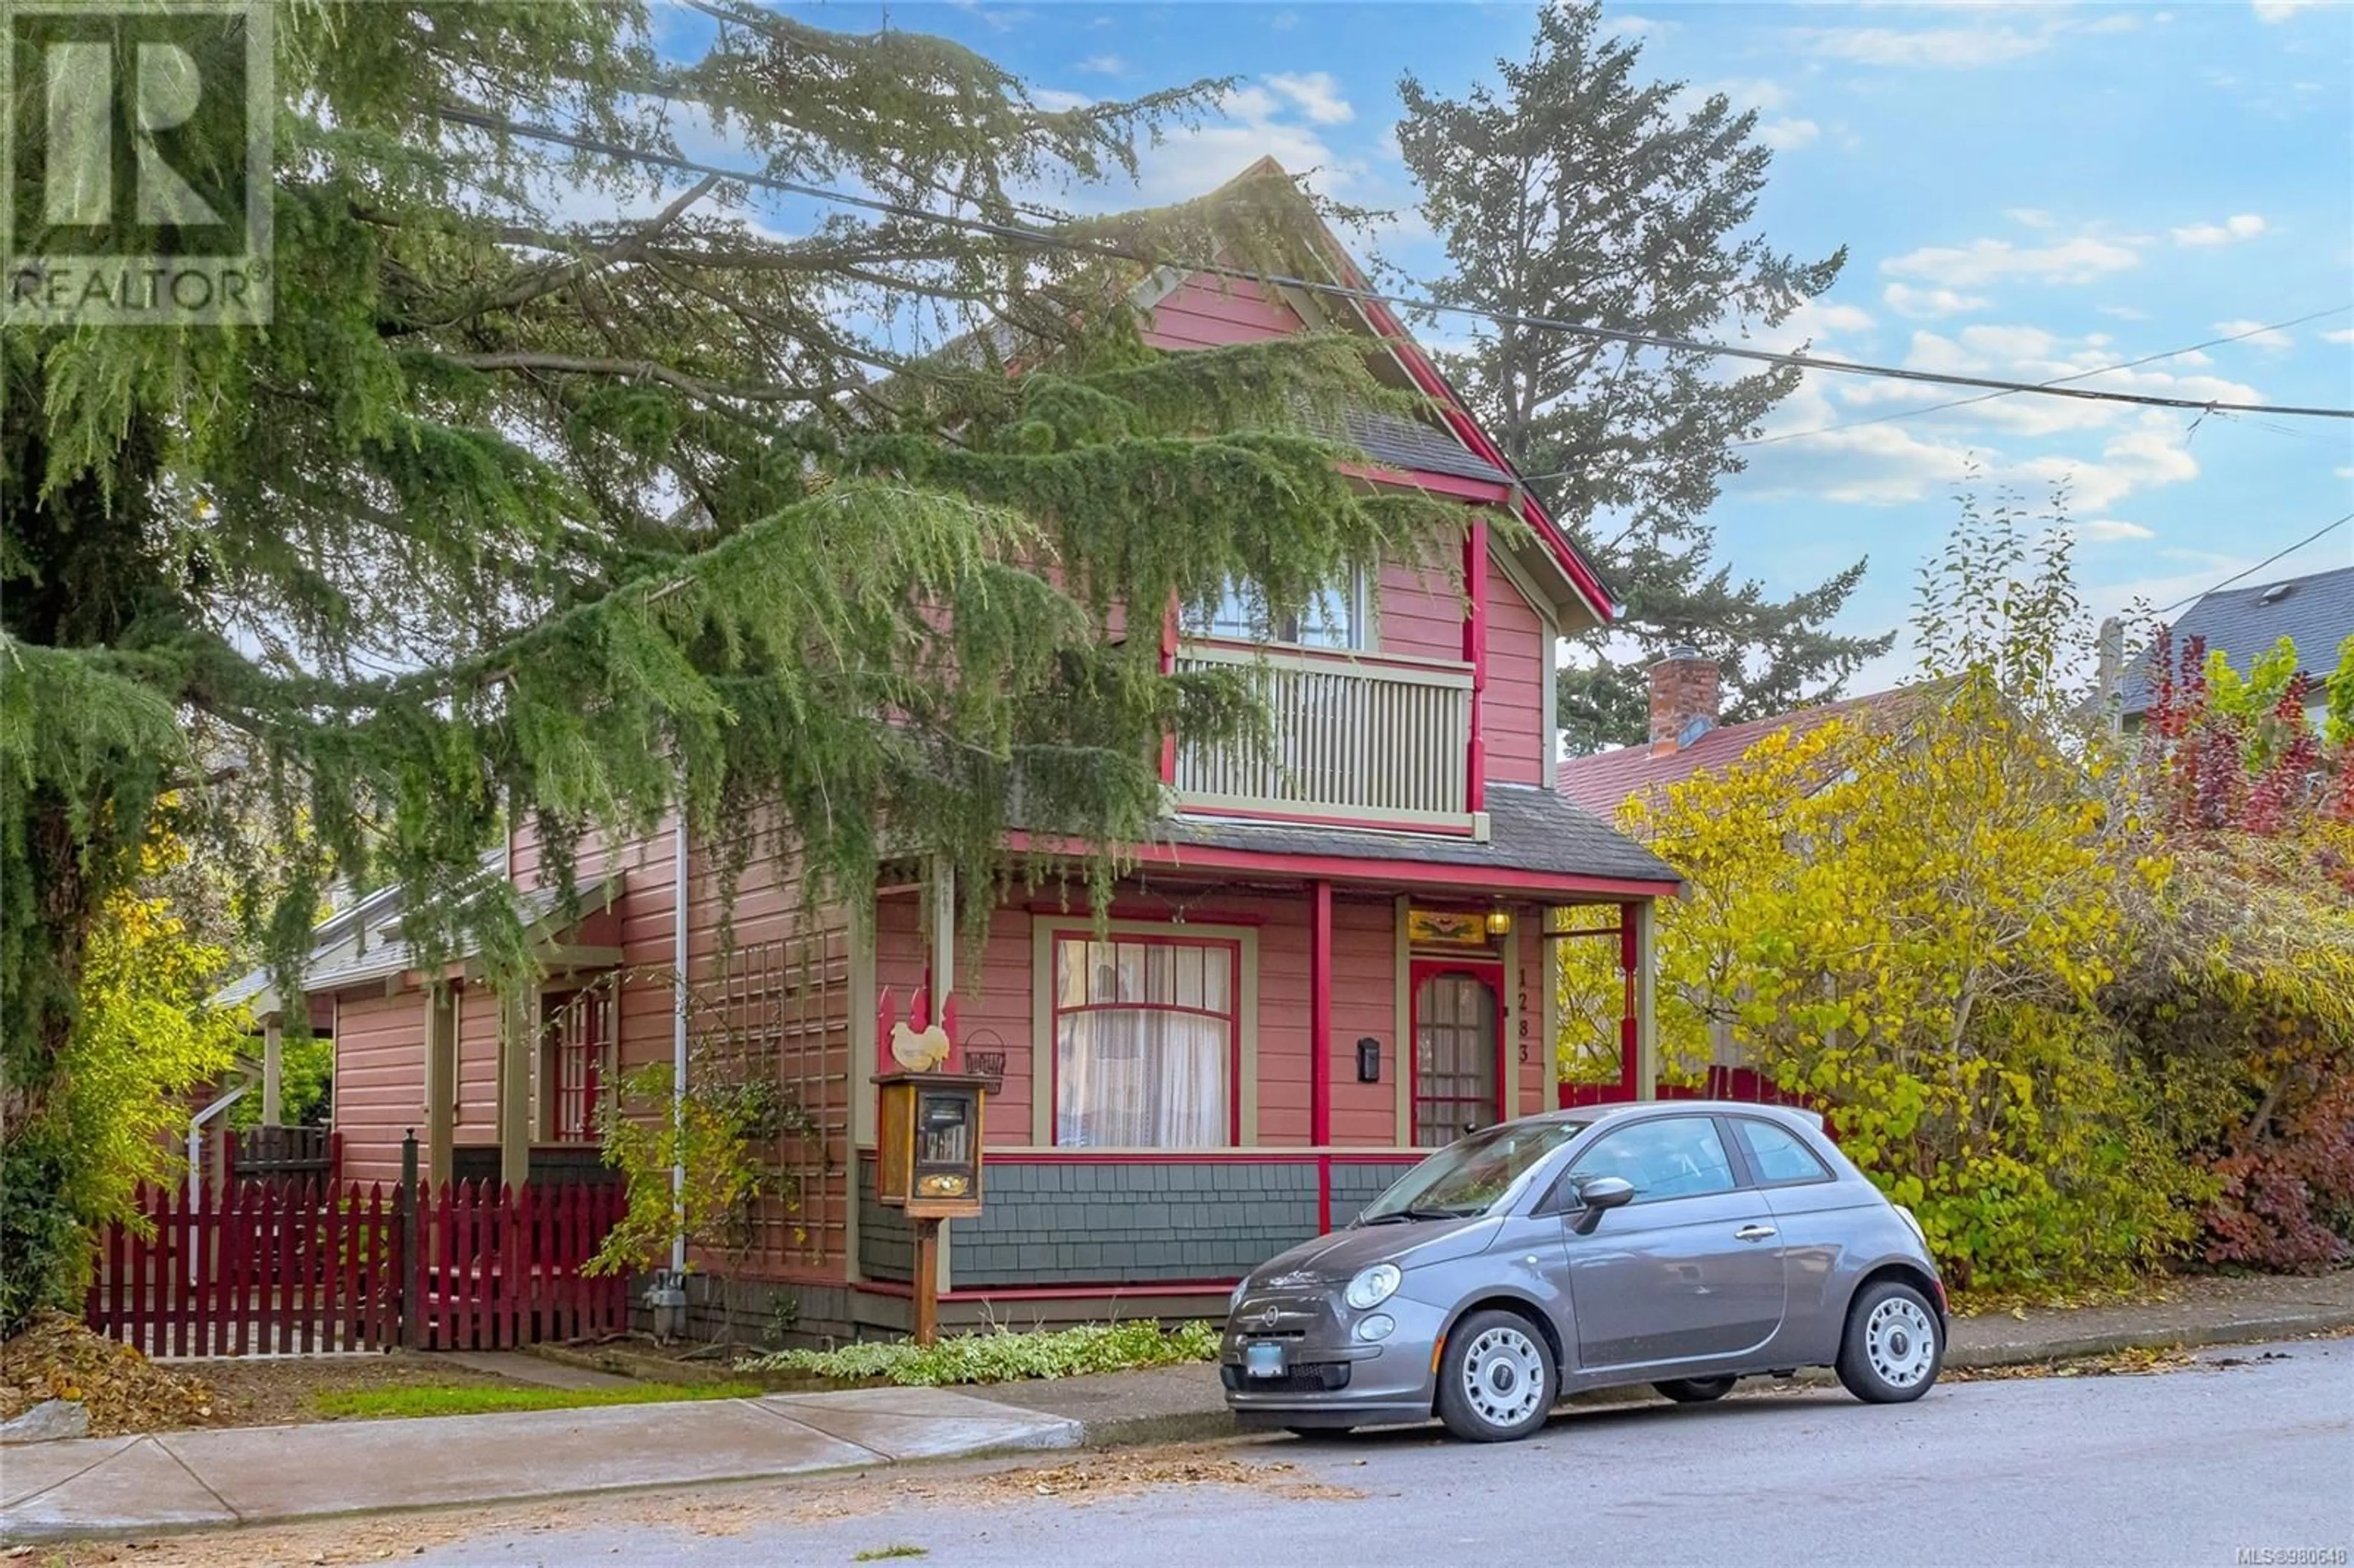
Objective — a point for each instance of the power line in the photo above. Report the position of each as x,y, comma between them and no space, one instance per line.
1106,251
2056,381
2260,566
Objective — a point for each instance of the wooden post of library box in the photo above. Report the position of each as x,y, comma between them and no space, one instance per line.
929,1146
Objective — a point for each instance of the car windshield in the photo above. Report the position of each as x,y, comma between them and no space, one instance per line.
1467,1176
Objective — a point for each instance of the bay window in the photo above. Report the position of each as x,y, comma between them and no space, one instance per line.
1146,1042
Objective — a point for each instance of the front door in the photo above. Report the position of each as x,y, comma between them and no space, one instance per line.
1691,1270
1457,1038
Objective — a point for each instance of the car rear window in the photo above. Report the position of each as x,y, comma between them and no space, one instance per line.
1777,1155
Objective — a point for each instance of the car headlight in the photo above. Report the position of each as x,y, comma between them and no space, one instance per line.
1234,1301
1912,1225
1373,1286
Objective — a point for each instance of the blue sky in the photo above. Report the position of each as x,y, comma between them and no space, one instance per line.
2026,192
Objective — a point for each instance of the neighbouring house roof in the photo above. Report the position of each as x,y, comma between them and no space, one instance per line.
2316,612
1395,442
1604,781
1529,829
338,958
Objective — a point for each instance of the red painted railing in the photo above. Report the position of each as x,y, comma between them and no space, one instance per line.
499,1268
286,1267
265,1267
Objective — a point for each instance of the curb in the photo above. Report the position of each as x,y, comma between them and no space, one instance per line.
1205,1424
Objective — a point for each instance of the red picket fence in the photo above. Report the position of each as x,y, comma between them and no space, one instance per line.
290,1268
499,1268
264,1268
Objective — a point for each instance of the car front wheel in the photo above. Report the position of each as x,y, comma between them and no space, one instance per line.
1497,1381
1894,1344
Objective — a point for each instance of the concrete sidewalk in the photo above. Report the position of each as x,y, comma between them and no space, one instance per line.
252,1475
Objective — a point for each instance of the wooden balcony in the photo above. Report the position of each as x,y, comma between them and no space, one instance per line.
1359,737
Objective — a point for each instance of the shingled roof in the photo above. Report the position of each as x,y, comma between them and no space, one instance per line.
1604,781
2316,612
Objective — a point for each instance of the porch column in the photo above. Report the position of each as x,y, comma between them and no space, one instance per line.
1474,653
441,1087
273,1036
943,975
1647,981
1319,1046
516,1037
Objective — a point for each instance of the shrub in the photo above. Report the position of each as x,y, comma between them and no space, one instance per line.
1001,1355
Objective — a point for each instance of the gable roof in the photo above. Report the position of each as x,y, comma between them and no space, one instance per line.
1607,780
2316,612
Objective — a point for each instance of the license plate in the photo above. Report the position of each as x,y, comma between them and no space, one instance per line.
1262,1361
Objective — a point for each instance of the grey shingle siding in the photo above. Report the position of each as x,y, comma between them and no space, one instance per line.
886,1242
1136,1221
2317,613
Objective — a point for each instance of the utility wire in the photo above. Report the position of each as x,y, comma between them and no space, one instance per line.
1043,240
1989,396
2080,376
2260,566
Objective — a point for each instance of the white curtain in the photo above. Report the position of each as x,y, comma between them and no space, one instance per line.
1143,1041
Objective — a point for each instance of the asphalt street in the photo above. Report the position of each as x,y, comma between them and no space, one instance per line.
2249,1453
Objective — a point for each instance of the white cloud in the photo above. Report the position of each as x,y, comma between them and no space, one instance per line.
2342,334
2237,227
1930,304
1787,135
1816,319
2274,11
1104,65
2257,335
1749,92
2131,461
1959,49
998,19
2030,217
2114,22
2078,261
2109,530
1634,27
2343,473
2123,312
2009,342
1316,93
1256,123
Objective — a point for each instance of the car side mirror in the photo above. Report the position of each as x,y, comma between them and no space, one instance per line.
1596,1195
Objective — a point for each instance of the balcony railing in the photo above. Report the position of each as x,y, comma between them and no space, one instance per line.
1357,737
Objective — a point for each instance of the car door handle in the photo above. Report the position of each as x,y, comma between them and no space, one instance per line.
1753,1233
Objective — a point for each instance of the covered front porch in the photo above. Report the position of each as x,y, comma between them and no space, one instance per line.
1254,1041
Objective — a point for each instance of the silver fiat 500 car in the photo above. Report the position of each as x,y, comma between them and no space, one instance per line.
1682,1244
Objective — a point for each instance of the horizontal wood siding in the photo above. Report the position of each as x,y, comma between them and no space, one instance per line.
379,1080
1365,981
1211,313
478,1068
1513,718
1419,616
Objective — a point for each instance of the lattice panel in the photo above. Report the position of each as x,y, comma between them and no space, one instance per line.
782,1017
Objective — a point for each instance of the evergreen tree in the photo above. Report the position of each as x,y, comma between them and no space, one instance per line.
506,510
1581,193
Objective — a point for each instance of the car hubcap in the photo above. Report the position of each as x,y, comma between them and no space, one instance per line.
1902,1342
1503,1376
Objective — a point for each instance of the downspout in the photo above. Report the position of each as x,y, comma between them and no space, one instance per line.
678,1048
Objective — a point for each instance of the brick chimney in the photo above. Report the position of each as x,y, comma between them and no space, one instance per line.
1684,692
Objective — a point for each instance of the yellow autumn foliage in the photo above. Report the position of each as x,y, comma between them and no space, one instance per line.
1912,924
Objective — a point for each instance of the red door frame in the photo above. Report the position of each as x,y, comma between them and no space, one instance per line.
1489,972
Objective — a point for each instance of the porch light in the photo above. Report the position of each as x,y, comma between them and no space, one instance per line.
1500,921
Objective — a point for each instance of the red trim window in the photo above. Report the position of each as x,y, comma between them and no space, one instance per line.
1457,1068
579,1031
1147,1043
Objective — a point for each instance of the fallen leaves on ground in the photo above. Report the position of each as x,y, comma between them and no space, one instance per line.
58,1358
2121,1363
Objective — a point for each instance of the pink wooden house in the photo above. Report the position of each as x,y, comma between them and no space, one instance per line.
1324,965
